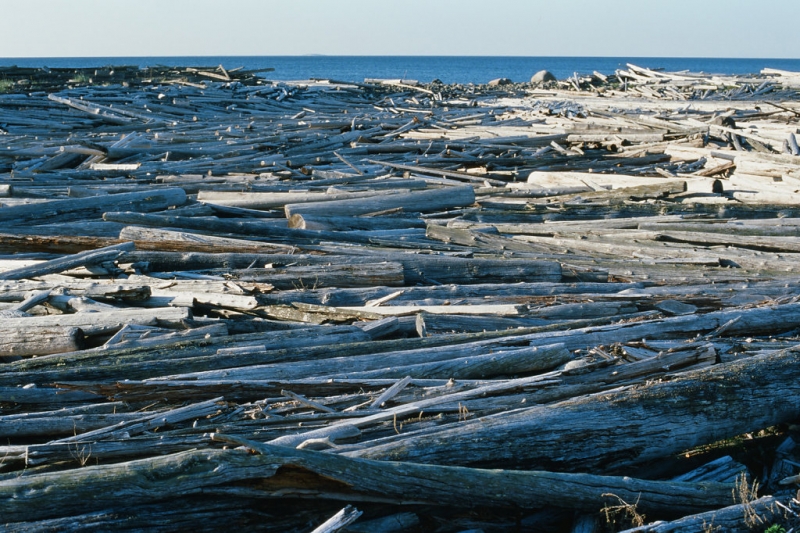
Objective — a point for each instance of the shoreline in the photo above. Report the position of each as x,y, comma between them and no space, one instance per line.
450,69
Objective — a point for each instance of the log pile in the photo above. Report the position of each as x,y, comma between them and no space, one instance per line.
27,79
387,306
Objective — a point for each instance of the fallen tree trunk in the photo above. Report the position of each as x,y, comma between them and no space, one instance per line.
352,223
417,267
65,263
626,428
272,200
96,323
330,275
17,342
416,201
270,473
83,208
740,518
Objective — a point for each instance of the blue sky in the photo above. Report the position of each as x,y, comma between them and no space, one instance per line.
664,28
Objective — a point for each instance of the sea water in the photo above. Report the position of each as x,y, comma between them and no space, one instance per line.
448,69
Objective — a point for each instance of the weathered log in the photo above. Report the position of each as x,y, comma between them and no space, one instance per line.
769,165
739,518
757,189
30,301
21,341
480,240
59,265
619,195
761,242
95,289
351,223
174,241
417,268
132,337
257,229
45,396
626,427
177,514
271,200
141,423
388,274
340,520
28,240
396,364
404,310
183,356
497,363
443,294
57,425
767,228
92,324
417,201
448,323
589,379
752,321
82,208
103,113
99,487
444,270
449,174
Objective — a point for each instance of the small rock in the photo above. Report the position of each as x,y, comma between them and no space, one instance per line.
499,81
543,76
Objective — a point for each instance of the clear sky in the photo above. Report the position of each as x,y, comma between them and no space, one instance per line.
655,28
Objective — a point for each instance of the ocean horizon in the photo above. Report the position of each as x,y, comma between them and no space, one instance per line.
448,69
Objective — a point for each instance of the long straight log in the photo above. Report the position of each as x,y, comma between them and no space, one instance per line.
65,263
96,323
258,229
17,342
497,363
299,277
753,321
445,173
193,472
183,356
82,208
97,290
417,268
416,201
271,200
742,517
626,427
179,241
23,242
176,514
370,366
351,223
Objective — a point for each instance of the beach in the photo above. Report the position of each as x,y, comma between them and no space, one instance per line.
567,304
